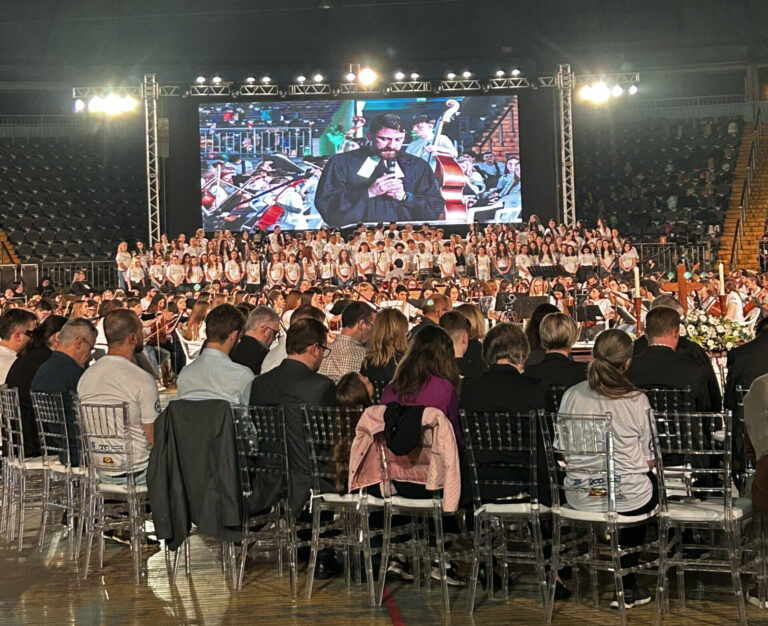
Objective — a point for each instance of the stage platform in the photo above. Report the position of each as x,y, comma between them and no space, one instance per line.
44,588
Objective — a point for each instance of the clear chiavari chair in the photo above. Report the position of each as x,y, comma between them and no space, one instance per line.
56,445
330,431
503,452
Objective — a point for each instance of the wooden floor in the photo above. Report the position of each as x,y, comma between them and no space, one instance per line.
44,588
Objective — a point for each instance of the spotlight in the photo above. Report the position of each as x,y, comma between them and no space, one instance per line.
450,75
129,104
585,93
266,80
499,73
216,80
95,105
600,92
466,74
515,72
301,79
250,80
318,78
350,76
415,76
633,90
399,76
617,91
367,76
79,106
200,80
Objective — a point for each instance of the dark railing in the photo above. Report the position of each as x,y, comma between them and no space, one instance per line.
746,193
668,256
6,255
488,139
100,274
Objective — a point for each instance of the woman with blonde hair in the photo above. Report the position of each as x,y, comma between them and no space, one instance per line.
386,345
607,390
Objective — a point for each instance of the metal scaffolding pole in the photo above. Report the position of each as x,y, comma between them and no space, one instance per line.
565,84
150,93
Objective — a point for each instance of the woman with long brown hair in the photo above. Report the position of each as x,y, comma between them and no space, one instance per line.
428,375
195,328
607,390
386,345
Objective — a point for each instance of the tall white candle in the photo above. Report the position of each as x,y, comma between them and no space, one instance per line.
722,280
637,281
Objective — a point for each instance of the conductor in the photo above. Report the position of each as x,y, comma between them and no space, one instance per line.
378,183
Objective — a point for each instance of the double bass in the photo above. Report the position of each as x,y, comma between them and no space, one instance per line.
449,175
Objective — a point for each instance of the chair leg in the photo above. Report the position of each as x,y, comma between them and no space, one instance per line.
135,529
385,539
662,569
20,511
293,542
44,509
314,549
734,556
541,571
594,552
554,566
440,541
475,565
504,558
364,524
680,570
616,557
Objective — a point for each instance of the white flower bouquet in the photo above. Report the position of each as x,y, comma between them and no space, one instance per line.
714,334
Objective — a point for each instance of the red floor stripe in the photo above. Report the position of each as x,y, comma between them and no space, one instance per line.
394,613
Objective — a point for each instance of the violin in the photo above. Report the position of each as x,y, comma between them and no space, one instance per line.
159,328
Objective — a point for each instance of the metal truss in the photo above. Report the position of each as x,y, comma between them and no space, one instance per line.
471,84
621,78
410,86
223,89
357,89
150,92
310,89
565,84
86,93
258,90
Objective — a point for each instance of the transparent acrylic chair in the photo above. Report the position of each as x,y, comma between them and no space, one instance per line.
108,439
55,437
329,430
581,462
18,468
263,460
503,452
709,523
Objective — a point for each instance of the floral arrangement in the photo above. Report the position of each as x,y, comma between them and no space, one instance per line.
715,334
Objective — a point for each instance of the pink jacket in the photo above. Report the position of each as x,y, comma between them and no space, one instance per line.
435,467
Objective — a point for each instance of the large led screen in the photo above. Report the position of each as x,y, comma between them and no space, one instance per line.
302,164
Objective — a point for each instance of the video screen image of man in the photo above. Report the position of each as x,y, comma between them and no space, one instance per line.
379,182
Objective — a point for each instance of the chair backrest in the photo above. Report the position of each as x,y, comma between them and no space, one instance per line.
670,398
261,447
702,463
106,437
378,388
51,427
13,433
557,391
329,431
581,458
502,453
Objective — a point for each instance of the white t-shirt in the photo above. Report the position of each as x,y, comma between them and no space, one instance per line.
7,357
123,258
631,445
112,380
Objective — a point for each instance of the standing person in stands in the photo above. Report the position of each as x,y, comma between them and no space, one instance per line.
16,328
607,390
378,182
123,260
428,376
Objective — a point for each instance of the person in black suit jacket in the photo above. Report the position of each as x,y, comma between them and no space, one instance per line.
688,348
292,383
261,330
558,333
504,388
661,366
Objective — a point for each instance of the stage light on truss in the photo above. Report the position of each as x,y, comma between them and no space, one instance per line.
515,72
301,79
351,77
216,80
399,75
632,90
499,73
451,75
367,76
111,104
466,74
200,80
617,91
600,92
415,76
318,78
250,80
79,106
585,93
266,80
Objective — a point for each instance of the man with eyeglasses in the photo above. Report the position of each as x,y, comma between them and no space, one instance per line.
261,330
348,350
378,182
62,371
16,326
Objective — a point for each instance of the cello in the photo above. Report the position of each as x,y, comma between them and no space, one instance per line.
449,175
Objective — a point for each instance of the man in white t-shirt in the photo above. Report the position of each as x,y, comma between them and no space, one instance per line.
115,378
16,325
